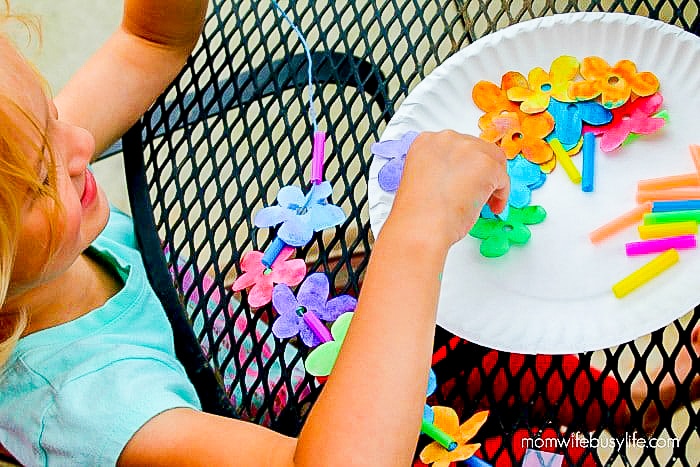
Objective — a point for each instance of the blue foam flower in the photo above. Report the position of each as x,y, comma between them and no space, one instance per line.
524,177
301,215
570,116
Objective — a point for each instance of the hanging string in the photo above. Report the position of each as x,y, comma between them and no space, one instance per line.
309,69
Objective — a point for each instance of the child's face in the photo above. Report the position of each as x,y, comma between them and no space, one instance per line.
84,205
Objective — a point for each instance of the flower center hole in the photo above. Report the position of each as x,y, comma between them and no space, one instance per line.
507,228
626,117
546,87
267,271
613,80
300,311
571,107
517,136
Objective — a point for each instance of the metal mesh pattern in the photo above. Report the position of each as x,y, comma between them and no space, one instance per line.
234,128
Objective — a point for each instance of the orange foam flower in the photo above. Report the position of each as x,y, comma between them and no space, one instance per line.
490,98
446,419
613,84
534,97
519,134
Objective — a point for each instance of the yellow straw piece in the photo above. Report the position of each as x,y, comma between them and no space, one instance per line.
565,161
672,229
646,273
672,181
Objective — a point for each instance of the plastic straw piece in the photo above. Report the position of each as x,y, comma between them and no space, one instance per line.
695,154
438,435
671,216
615,225
672,181
317,327
319,150
565,161
272,252
672,229
667,206
683,242
646,273
668,195
588,161
474,461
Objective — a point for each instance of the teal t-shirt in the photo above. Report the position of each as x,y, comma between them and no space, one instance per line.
76,393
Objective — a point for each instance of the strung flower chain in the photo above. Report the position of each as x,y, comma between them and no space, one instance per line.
269,276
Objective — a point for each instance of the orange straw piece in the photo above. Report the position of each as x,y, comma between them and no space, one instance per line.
673,181
668,195
695,153
619,223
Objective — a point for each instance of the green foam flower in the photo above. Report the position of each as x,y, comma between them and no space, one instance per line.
498,235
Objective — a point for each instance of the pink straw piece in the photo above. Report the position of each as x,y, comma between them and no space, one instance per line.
672,181
620,223
668,195
319,150
317,327
683,242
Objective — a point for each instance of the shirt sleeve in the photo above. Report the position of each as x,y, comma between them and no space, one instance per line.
95,415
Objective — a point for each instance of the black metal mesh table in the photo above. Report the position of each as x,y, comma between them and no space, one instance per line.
233,129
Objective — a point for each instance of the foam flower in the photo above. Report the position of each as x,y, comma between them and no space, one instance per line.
569,118
321,360
447,420
395,151
498,235
313,297
301,215
524,177
534,97
636,117
261,279
614,84
490,98
519,135
428,415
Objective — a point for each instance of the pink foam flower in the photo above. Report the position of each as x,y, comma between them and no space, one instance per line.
262,279
635,116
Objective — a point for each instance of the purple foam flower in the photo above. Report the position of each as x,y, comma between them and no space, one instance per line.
313,296
301,215
395,151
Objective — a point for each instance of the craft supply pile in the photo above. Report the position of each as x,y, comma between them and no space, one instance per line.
542,122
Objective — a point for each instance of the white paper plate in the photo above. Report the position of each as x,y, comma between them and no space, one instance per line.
553,295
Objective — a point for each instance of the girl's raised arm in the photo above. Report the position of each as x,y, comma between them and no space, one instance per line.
121,80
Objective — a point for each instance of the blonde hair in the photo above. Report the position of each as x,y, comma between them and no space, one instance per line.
18,180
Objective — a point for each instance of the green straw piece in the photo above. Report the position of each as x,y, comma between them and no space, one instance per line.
438,435
671,216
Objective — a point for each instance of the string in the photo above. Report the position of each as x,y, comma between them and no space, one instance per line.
309,69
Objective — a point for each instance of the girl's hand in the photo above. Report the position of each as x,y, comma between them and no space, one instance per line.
447,179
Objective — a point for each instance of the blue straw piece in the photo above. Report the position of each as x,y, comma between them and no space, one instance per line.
588,162
474,461
272,252
668,206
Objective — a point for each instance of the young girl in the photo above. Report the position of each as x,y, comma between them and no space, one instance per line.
89,374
